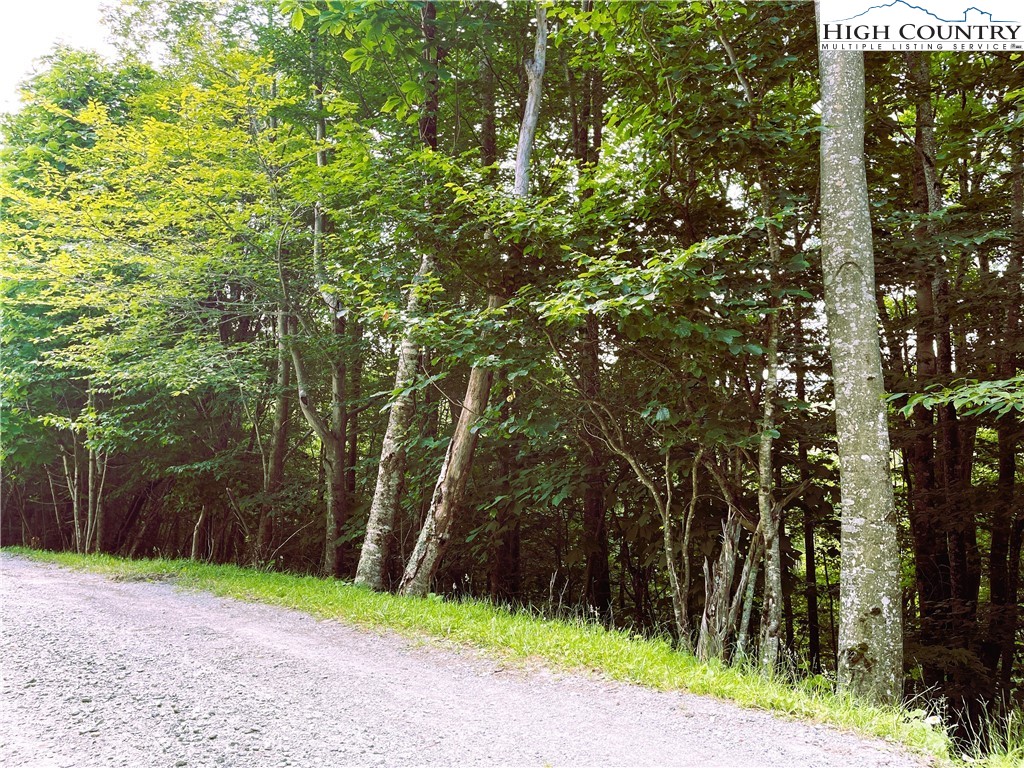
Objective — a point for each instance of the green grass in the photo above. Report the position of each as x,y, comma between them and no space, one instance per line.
528,639
1002,746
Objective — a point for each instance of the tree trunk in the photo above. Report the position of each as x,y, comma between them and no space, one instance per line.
998,648
870,631
810,562
336,509
355,393
196,553
100,460
274,474
1013,611
333,454
932,472
597,577
391,469
71,480
714,625
743,601
451,485
771,513
96,474
336,461
332,434
454,475
749,593
504,550
505,573
943,527
771,627
586,110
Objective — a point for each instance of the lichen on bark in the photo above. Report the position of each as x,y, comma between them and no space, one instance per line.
870,622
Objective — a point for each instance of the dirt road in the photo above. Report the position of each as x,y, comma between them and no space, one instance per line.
102,673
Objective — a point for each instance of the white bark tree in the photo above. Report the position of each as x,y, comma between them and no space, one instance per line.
870,620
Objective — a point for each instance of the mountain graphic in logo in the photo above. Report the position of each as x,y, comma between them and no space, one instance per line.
971,15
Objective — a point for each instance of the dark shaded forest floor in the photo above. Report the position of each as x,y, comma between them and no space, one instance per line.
96,672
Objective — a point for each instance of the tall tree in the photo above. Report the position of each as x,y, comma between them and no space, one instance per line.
586,109
454,474
333,432
870,628
384,508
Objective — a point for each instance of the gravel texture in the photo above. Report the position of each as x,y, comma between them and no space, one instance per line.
103,673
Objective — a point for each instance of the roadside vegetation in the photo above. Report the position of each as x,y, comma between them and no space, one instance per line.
526,637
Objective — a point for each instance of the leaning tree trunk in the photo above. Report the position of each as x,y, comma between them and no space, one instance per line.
451,485
743,600
870,620
454,475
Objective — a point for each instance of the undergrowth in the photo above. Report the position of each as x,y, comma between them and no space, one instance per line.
560,644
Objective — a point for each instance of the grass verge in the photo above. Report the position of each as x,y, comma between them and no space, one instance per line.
519,636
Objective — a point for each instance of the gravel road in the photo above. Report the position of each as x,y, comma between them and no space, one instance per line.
103,673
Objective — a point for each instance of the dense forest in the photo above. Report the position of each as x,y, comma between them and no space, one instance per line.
536,304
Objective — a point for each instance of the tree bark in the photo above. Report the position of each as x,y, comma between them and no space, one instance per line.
336,458
196,553
714,625
355,393
743,599
332,459
597,577
771,514
505,564
927,514
391,468
71,480
870,631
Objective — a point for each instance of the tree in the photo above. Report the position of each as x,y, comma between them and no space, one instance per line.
451,482
384,508
870,617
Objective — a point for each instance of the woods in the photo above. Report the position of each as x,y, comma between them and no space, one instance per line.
650,314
